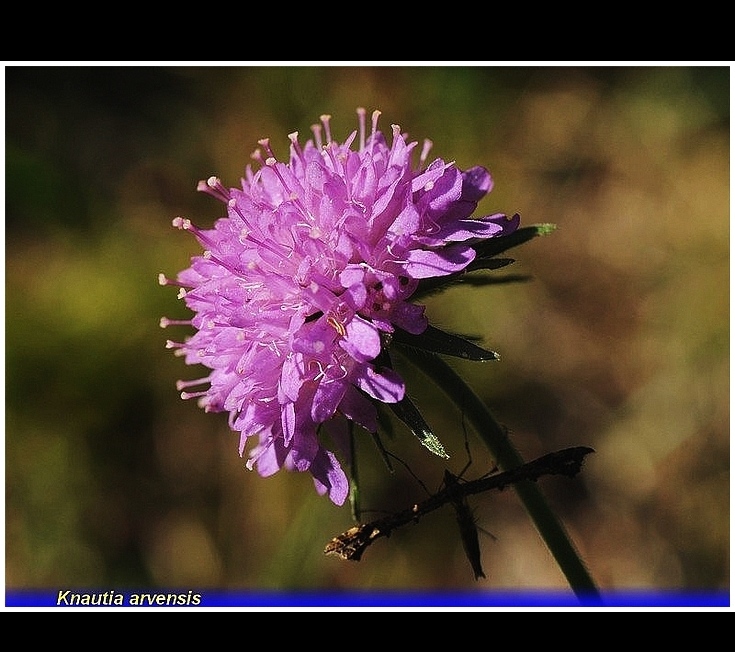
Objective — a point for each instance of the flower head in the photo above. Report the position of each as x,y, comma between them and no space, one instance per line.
303,282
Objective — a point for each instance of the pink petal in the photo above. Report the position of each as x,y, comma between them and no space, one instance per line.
423,263
362,341
386,385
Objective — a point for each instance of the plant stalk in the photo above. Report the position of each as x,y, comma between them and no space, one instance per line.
494,436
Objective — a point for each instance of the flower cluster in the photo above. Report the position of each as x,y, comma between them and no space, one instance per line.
302,285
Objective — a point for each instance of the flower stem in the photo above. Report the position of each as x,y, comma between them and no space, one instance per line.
507,457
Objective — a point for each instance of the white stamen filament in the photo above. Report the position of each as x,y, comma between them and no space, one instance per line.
375,116
163,280
294,138
425,152
361,121
325,118
215,188
265,143
317,131
165,322
183,384
188,395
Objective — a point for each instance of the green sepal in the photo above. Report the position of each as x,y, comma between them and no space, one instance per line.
407,412
484,260
487,263
481,281
494,246
436,340
434,284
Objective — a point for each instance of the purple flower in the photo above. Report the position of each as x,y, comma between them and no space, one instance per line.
302,284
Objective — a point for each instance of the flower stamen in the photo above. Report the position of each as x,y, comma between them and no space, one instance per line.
337,325
214,187
325,118
361,113
316,129
165,322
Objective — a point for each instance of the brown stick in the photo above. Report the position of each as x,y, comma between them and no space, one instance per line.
352,544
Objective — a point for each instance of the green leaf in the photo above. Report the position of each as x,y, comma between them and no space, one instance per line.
494,246
428,286
480,281
407,412
435,340
488,263
484,259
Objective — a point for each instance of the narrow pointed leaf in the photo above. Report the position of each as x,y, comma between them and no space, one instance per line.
480,281
428,286
494,246
407,412
438,341
488,263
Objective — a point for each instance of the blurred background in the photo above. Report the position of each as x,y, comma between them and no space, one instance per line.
619,341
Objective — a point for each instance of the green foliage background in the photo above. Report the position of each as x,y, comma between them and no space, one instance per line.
620,342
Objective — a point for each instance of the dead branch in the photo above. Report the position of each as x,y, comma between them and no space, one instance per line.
352,544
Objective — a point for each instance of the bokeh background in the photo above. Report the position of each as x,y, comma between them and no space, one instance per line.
619,341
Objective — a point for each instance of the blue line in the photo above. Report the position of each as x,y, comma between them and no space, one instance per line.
154,598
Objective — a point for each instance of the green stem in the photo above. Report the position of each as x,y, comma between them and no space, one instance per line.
507,457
